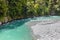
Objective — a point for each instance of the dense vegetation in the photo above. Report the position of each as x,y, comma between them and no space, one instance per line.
13,9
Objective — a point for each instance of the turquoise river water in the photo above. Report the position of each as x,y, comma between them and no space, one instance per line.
18,30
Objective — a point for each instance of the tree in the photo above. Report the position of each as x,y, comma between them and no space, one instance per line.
3,9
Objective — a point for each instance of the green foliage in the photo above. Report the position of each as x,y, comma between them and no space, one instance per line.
3,7
14,9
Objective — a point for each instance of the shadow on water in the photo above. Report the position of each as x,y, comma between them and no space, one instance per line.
13,24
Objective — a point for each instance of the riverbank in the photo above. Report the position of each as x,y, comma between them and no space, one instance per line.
8,19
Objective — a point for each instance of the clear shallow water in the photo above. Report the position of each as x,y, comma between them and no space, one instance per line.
18,30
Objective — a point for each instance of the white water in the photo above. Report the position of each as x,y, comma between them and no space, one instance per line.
46,28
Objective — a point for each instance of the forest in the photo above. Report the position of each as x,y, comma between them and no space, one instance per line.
19,9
